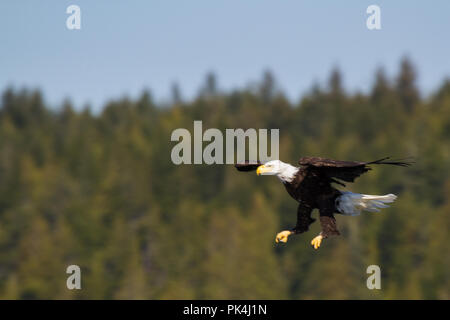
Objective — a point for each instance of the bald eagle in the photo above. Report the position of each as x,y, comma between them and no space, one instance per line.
311,185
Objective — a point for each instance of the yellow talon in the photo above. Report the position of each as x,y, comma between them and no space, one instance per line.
317,241
283,236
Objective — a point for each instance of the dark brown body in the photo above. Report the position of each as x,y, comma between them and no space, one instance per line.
313,190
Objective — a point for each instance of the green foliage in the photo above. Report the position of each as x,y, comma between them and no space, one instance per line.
100,191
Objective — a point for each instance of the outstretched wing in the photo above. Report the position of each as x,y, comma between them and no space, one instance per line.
248,165
344,170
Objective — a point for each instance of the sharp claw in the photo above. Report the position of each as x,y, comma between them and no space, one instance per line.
282,236
316,242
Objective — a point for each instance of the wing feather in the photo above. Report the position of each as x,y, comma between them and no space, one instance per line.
345,170
247,165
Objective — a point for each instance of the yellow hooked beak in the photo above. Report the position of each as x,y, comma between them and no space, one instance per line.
262,169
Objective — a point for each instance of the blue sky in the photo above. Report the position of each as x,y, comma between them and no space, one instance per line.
126,46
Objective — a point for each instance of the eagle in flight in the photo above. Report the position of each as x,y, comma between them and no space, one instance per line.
311,185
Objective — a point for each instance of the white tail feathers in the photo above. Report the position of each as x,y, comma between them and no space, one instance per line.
351,204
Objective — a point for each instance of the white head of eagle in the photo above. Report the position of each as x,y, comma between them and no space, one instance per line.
284,171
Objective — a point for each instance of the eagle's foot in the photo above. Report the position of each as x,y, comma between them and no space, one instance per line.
317,241
283,236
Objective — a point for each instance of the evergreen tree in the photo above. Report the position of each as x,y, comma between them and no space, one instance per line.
406,85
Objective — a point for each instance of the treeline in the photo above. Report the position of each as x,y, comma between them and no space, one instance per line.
100,191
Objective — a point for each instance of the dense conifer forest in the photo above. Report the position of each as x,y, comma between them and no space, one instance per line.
99,190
